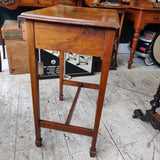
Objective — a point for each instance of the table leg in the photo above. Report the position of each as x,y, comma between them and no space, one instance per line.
134,45
109,41
118,39
61,70
33,61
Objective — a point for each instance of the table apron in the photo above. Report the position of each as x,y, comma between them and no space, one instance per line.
70,38
153,17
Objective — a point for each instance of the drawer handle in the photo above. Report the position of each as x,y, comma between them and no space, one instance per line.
155,17
37,1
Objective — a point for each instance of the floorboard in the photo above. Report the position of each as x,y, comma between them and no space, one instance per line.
120,136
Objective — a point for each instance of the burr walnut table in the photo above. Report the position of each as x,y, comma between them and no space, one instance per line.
88,31
141,16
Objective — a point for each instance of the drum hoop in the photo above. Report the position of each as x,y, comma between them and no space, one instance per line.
152,45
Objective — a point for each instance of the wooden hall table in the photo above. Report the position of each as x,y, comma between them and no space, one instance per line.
88,31
141,16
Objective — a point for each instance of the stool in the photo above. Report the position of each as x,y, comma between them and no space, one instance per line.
88,31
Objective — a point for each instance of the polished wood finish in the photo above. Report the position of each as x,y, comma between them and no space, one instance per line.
86,16
33,59
73,106
86,36
85,85
109,41
84,23
143,3
66,128
40,3
61,74
141,16
72,2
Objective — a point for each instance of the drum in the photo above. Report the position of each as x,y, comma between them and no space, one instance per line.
155,49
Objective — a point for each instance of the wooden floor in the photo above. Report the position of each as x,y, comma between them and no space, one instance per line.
120,136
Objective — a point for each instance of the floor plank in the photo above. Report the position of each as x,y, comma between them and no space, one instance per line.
120,136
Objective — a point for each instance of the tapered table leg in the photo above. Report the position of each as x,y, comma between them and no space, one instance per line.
118,40
110,37
61,60
33,60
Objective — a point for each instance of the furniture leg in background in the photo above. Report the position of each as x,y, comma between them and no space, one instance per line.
141,16
121,9
133,48
61,74
151,115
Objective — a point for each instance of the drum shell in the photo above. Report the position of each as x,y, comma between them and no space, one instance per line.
155,53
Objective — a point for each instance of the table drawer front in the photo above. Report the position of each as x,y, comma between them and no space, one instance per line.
45,2
153,18
69,38
28,2
71,2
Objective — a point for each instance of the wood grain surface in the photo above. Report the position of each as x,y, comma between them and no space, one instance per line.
75,15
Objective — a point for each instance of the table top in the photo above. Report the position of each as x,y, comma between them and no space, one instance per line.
144,8
109,6
75,15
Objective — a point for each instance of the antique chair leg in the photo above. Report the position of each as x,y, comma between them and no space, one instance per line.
61,70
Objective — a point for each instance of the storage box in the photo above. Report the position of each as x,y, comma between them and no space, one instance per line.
17,50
